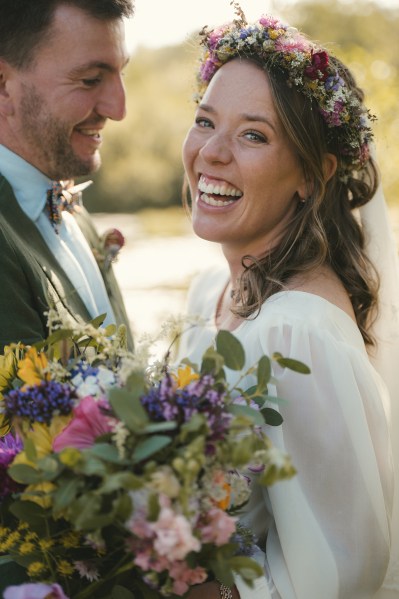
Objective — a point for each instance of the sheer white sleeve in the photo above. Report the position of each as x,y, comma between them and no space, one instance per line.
330,537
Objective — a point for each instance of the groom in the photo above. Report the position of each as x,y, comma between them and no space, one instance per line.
61,65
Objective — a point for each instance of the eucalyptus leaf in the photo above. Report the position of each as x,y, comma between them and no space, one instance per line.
294,365
28,511
157,427
30,450
120,480
272,417
248,412
212,362
65,494
22,473
106,452
231,349
128,409
263,372
149,446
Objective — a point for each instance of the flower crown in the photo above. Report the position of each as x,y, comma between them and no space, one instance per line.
306,66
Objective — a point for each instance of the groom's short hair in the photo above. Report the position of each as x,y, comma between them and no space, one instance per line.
24,24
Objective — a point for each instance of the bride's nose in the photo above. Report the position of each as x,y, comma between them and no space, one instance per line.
217,149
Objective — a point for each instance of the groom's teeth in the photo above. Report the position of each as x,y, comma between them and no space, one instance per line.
212,202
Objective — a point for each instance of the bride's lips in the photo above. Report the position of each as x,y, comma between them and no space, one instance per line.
216,192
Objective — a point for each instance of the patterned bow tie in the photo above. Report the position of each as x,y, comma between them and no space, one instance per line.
63,196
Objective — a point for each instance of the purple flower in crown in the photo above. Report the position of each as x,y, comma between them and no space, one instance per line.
334,83
39,403
318,69
10,446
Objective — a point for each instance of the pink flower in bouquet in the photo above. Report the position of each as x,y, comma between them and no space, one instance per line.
174,537
219,528
88,423
184,577
35,591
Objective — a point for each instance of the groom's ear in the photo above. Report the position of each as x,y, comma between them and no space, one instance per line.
6,100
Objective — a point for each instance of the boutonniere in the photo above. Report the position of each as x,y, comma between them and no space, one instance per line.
111,242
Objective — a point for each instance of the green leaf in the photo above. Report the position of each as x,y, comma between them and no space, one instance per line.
119,592
272,417
231,349
120,480
212,362
123,507
22,473
97,322
149,446
263,371
30,450
247,412
294,365
157,427
128,408
246,567
28,511
65,494
106,452
92,466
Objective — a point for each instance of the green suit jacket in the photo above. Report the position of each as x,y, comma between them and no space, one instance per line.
31,279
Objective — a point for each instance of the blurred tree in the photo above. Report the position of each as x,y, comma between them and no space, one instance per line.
142,155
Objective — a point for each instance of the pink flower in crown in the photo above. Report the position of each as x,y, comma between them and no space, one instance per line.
293,41
88,423
219,528
216,35
271,22
318,69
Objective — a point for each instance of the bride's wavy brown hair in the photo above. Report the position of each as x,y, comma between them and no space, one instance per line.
325,229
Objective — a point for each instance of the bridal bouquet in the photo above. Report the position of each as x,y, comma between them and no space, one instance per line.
124,479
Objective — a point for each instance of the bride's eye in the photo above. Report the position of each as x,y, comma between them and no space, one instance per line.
203,122
255,136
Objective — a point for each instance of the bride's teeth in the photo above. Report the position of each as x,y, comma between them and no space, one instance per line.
221,189
212,202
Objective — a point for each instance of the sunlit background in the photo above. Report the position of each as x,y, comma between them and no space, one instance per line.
138,189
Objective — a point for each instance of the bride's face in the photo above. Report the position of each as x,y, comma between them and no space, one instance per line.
244,176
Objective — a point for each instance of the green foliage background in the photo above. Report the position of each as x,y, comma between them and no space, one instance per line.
142,155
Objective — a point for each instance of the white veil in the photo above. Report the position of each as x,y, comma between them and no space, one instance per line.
382,250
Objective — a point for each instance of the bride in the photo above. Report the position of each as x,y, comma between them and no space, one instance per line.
278,163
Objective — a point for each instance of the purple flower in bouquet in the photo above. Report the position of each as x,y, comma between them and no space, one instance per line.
10,446
35,591
40,402
168,402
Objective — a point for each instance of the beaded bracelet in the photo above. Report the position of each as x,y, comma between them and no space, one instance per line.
225,592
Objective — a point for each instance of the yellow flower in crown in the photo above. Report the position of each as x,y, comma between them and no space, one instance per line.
32,368
185,376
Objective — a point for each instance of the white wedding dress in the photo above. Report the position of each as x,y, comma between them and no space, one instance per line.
324,534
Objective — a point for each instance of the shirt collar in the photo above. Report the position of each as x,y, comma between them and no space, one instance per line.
28,183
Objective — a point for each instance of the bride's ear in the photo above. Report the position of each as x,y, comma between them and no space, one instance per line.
330,163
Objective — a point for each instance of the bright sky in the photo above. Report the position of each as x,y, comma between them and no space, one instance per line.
167,22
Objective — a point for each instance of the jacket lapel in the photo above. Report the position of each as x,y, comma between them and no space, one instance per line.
29,237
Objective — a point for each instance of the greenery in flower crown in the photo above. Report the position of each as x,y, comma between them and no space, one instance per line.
305,66
124,479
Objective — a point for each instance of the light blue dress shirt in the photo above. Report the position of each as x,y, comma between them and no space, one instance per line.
69,246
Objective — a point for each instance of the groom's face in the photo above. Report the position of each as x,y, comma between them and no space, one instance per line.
63,100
